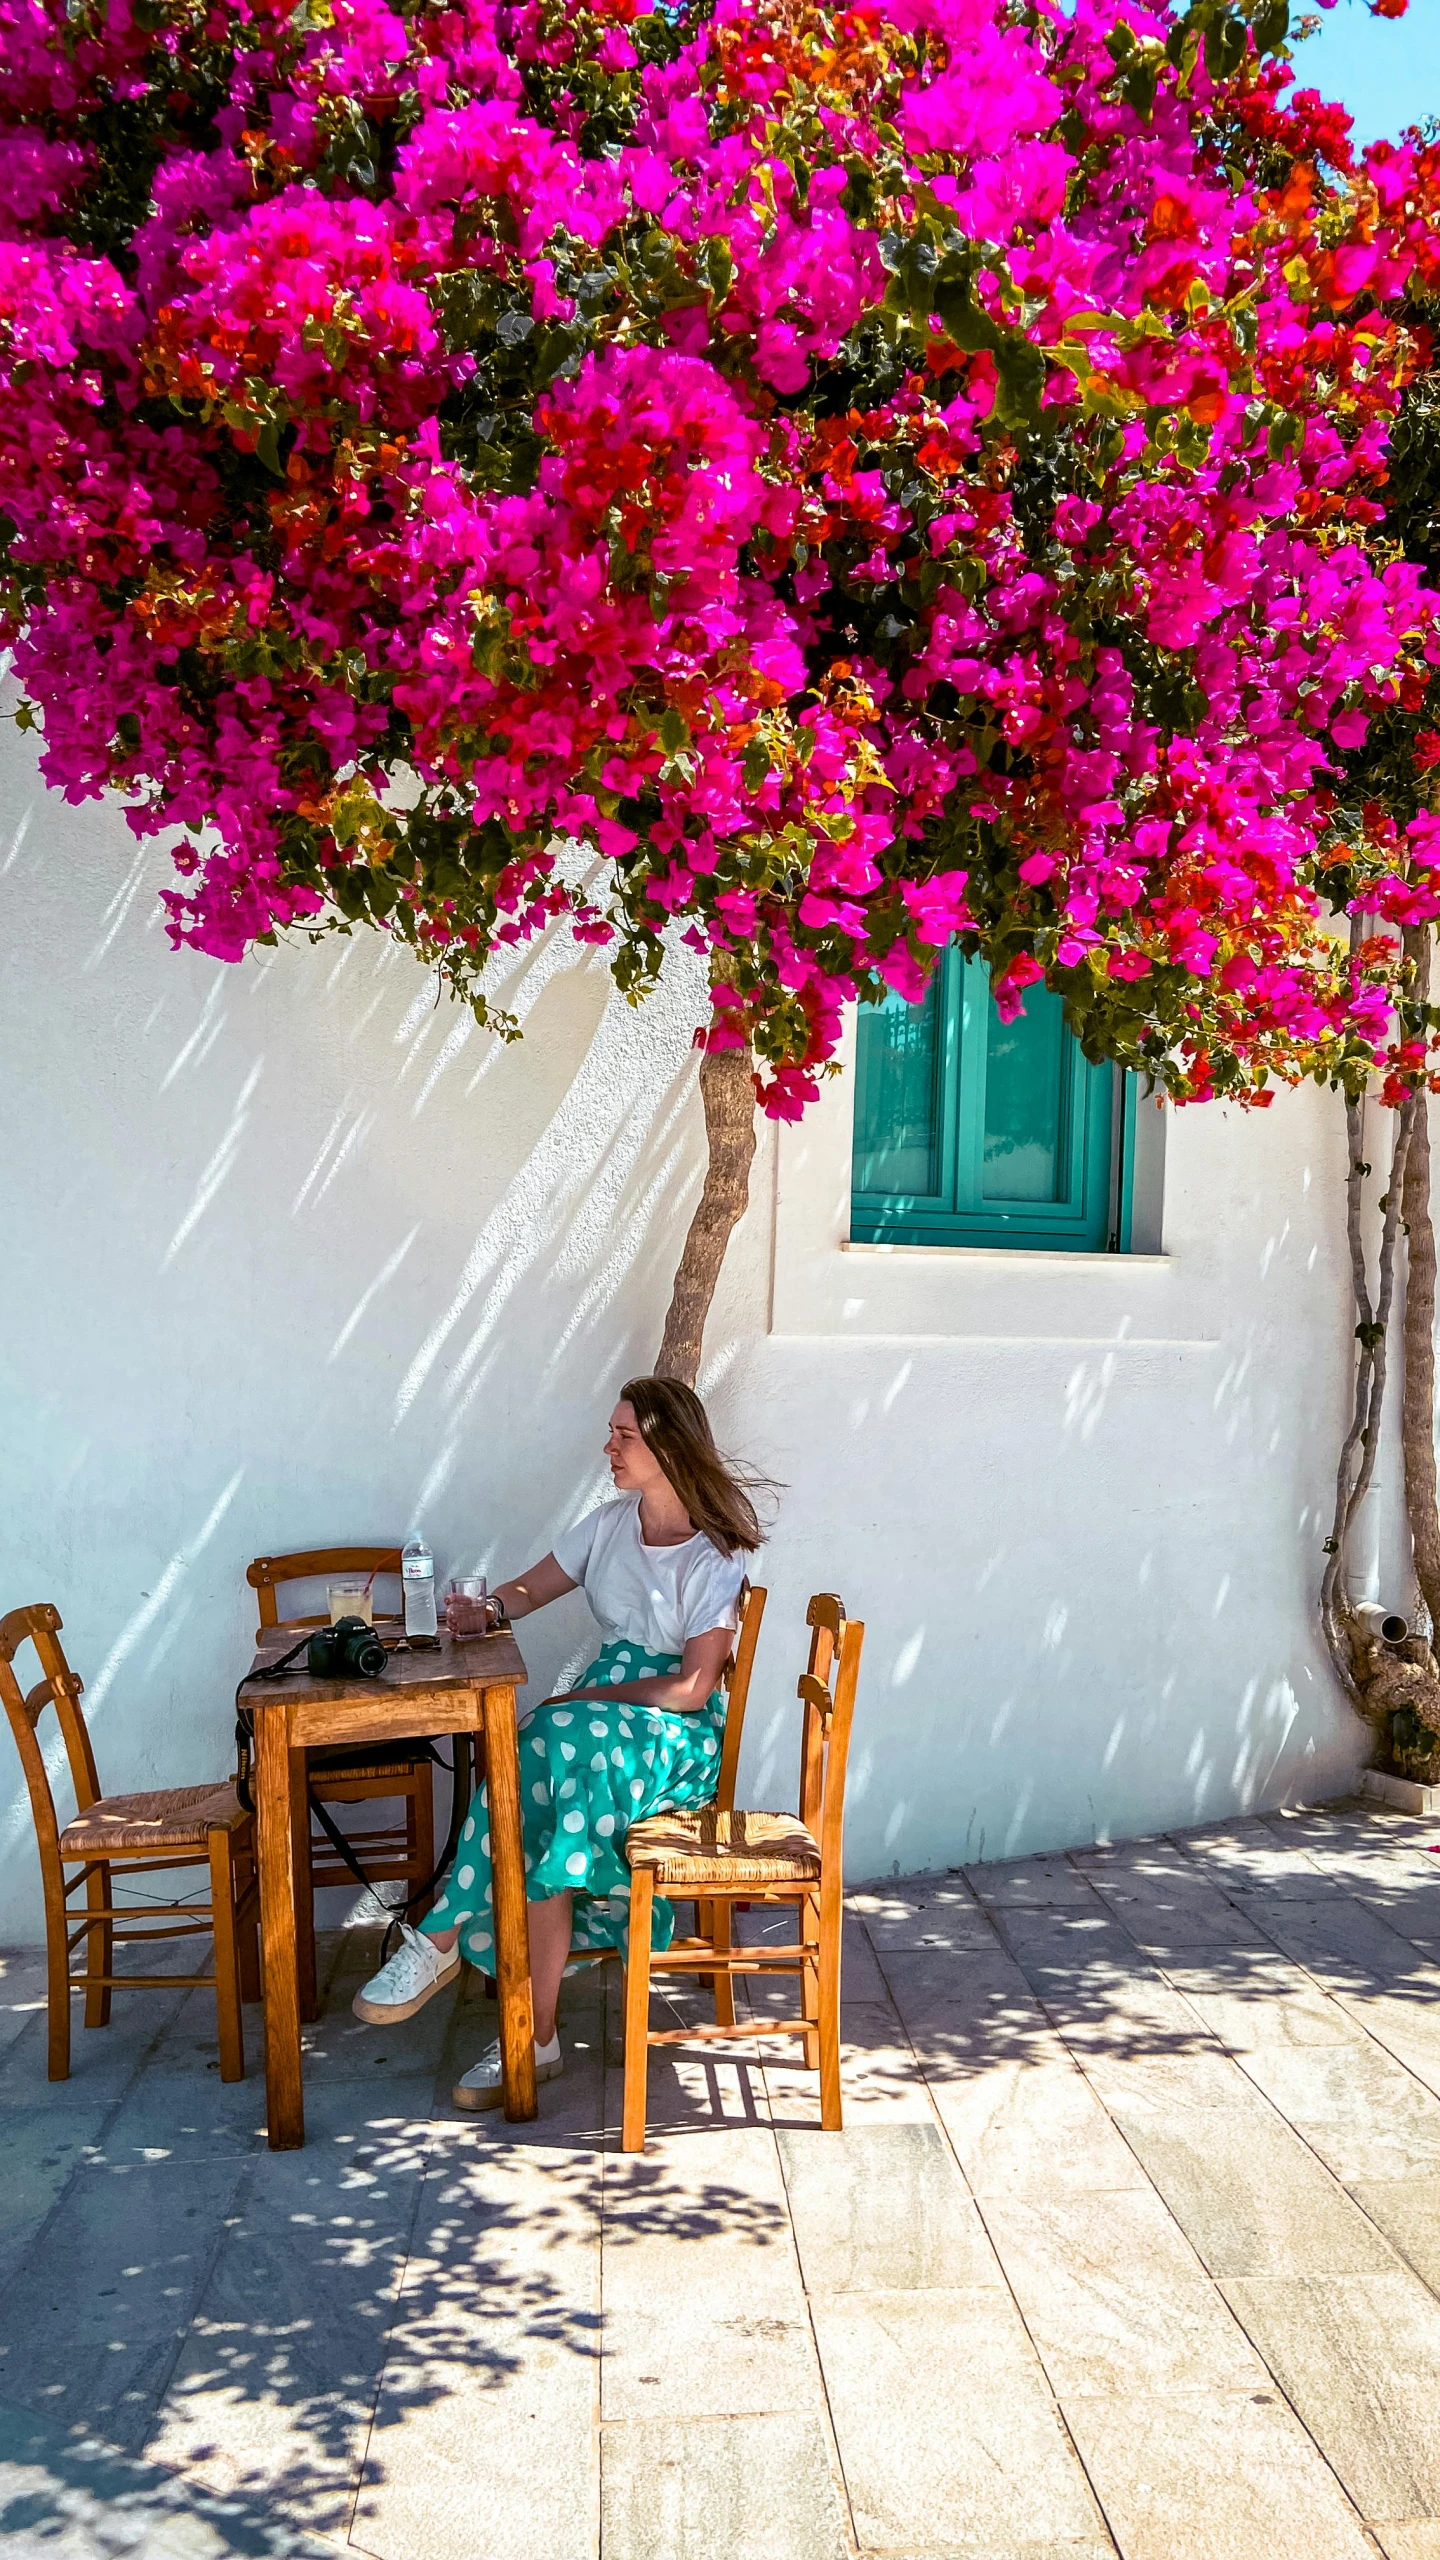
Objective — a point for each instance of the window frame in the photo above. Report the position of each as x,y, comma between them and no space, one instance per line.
1098,1114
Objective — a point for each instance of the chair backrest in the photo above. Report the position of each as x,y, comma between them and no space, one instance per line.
60,1688
735,1680
826,1690
270,1574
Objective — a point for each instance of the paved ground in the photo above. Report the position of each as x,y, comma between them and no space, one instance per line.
1131,2243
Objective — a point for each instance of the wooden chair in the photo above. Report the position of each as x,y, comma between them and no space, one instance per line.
720,1857
393,1852
166,1828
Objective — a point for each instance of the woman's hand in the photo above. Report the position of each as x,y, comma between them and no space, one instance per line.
681,1693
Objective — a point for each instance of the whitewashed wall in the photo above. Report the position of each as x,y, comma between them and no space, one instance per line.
292,1256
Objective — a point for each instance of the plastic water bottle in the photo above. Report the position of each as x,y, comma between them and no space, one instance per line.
417,1574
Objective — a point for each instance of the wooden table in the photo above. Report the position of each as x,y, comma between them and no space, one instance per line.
462,1687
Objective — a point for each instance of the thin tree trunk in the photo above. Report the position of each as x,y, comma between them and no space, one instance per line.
1418,1407
1357,1456
727,1089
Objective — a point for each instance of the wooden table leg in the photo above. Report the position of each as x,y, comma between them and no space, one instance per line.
304,1888
284,2098
512,1930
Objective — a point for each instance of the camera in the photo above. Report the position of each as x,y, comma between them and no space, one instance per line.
342,1651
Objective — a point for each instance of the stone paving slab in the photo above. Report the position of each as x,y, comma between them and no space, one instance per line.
1116,2300
730,2489
1358,2358
67,2495
1404,2023
1246,2002
1245,2188
1360,2111
43,2148
1407,2210
883,2080
1035,2129
883,2208
22,1991
274,2388
485,2420
1129,2249
1225,2477
705,2311
101,2306
941,2451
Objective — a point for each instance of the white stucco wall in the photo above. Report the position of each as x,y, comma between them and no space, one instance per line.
291,1256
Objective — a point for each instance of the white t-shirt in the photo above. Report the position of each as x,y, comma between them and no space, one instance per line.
655,1596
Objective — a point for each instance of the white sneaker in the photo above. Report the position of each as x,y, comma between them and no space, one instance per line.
416,1971
480,2086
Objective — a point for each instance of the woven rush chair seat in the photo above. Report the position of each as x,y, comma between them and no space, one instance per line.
163,1818
720,1856
111,1839
695,1852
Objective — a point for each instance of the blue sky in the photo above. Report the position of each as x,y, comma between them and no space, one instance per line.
1385,70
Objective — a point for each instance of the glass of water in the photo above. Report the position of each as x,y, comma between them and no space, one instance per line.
466,1600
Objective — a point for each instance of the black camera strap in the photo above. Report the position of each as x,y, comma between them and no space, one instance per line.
245,1720
344,1850
244,1789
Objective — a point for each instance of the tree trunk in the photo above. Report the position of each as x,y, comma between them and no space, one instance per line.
1357,1457
1417,1423
727,1089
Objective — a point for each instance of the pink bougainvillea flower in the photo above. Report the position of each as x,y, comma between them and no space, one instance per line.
806,487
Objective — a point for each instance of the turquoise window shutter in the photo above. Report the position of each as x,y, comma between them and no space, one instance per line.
970,1130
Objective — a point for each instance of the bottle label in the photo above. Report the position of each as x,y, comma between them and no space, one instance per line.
420,1617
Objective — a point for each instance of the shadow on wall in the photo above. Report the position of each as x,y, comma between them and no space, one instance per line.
301,1254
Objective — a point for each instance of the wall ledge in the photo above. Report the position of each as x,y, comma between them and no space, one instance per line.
1003,1257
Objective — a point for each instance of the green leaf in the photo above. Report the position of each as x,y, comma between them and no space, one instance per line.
674,731
347,888
267,448
1224,47
961,317
1021,369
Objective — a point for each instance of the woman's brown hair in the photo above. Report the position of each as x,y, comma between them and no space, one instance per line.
675,1428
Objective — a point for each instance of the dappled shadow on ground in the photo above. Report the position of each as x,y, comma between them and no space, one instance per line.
67,2490
297,2329
270,2324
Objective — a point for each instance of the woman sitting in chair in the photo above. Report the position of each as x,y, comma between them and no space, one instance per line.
662,1567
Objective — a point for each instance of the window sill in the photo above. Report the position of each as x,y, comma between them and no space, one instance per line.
1008,1255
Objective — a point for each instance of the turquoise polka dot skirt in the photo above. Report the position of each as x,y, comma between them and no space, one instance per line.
586,1773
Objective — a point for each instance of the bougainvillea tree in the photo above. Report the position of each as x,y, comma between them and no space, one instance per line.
807,481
